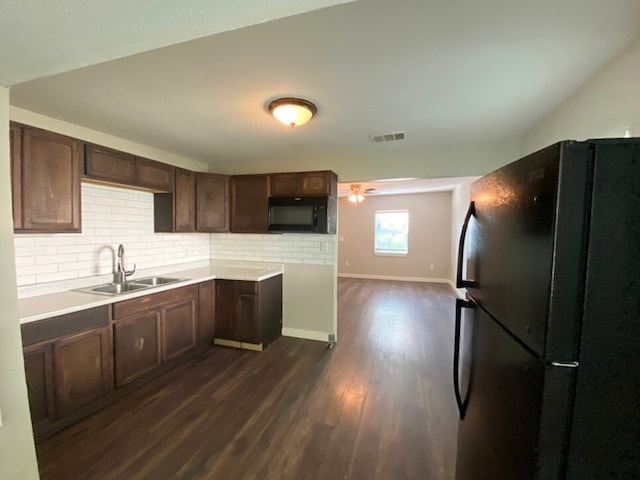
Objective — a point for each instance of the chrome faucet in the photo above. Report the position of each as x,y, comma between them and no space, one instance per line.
121,274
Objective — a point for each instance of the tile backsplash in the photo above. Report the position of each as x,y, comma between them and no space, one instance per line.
281,248
110,216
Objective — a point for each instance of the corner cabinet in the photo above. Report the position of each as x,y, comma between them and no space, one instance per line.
175,212
46,180
248,314
249,203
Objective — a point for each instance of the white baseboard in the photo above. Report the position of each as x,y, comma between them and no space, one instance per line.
306,334
392,277
461,293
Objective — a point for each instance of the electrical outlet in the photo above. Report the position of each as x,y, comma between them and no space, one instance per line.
347,263
431,266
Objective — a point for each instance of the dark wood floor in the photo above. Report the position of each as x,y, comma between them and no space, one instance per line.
377,406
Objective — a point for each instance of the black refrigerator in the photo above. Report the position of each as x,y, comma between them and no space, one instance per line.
546,364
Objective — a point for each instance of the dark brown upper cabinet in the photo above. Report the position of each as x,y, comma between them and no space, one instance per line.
15,142
249,203
154,175
105,164
212,202
304,183
46,180
175,212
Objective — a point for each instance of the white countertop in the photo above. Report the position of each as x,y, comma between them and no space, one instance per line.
54,304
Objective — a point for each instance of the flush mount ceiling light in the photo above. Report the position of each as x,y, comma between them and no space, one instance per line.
292,111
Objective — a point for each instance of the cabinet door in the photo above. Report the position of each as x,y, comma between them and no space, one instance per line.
108,165
184,201
136,346
83,368
206,312
317,183
178,329
212,202
50,182
249,203
154,175
285,184
15,141
226,309
38,365
246,327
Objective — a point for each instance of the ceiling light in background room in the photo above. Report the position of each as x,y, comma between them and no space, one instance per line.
292,111
357,195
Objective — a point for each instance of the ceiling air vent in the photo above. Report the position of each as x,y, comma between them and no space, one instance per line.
387,137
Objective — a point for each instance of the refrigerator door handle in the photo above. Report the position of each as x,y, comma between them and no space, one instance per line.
460,282
462,405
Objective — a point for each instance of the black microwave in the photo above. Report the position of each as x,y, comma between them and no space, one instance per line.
302,214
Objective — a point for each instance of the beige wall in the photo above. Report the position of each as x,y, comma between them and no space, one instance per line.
17,451
603,107
429,252
99,138
309,307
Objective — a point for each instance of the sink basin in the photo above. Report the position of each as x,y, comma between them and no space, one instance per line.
154,281
116,288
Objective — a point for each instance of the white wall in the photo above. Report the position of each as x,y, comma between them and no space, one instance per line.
604,106
17,451
429,248
110,216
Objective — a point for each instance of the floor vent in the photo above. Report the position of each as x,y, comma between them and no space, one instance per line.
387,137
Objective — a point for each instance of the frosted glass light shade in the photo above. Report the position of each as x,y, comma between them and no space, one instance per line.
292,111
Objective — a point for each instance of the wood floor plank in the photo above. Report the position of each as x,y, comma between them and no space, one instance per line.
379,405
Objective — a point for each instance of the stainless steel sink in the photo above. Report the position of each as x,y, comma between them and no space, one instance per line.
132,286
115,288
155,281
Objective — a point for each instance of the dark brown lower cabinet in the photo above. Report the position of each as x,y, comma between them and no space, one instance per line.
136,346
83,368
248,312
38,366
152,330
178,329
68,366
206,312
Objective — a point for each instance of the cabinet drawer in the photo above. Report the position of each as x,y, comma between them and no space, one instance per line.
54,327
154,300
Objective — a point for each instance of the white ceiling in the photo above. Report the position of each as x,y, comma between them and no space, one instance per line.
444,72
42,38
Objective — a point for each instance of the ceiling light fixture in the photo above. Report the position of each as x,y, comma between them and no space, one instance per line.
292,111
356,193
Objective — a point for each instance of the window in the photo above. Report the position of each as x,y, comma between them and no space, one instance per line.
392,232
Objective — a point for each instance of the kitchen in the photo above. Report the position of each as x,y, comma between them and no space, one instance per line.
600,107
